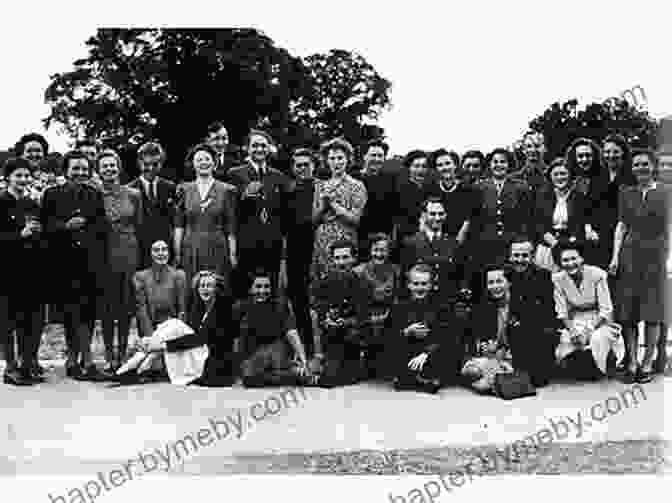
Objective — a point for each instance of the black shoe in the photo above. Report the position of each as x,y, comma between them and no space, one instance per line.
431,386
91,373
644,377
73,370
16,378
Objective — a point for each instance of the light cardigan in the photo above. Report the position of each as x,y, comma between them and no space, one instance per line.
592,294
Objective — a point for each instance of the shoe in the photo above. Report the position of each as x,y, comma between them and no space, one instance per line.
645,376
92,374
431,386
37,369
73,370
630,377
15,378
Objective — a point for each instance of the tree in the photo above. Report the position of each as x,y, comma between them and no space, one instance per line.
169,84
563,123
347,96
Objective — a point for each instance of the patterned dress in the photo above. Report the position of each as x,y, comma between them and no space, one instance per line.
349,193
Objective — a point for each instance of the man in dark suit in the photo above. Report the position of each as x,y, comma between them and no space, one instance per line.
431,246
158,201
218,138
262,196
380,190
76,228
300,240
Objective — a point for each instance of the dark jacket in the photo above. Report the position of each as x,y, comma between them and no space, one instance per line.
408,204
544,206
504,215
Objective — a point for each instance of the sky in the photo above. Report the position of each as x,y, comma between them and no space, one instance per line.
463,76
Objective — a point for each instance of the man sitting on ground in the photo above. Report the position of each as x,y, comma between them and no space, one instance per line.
267,330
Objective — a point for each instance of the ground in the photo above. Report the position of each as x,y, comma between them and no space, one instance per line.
68,427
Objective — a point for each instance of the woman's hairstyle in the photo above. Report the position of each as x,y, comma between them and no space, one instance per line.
215,127
259,132
73,155
559,161
27,138
220,282
337,144
108,152
626,169
14,163
201,147
570,157
304,152
377,237
377,142
470,154
565,244
413,155
343,243
497,266
442,152
653,157
151,149
510,158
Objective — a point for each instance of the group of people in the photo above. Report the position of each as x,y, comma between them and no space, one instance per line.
448,270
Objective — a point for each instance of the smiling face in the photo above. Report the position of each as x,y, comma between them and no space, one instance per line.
204,164
259,148
497,284
219,140
642,168
434,216
261,289
521,256
374,158
472,168
33,152
160,253
302,167
109,169
19,180
534,149
78,170
571,262
343,259
150,166
560,176
207,286
418,169
499,166
337,160
584,158
613,156
447,169
419,284
380,251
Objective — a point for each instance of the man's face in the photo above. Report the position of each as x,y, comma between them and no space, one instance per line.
380,251
534,149
219,140
150,166
78,170
418,169
642,168
160,253
259,148
447,169
665,168
435,216
472,168
584,157
499,166
613,155
302,167
521,256
261,289
497,284
90,151
343,259
374,158
419,284
33,152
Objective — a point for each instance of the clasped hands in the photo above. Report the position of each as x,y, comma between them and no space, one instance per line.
418,329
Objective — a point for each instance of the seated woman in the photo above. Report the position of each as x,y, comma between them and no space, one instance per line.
423,353
175,347
210,316
268,337
161,287
492,327
583,304
382,280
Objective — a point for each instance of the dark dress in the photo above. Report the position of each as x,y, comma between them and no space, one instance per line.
408,205
207,223
644,253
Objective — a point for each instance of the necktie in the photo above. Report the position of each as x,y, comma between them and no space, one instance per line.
152,192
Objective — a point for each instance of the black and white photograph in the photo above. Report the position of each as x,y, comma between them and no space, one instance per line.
364,251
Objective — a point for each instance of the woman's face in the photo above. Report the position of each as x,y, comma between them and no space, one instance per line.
380,251
206,288
642,168
261,289
560,177
203,163
33,152
160,253
337,160
259,148
19,179
499,165
419,284
472,168
109,169
219,140
571,262
613,156
418,169
584,158
446,168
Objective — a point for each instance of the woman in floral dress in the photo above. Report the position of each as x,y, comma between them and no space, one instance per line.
338,203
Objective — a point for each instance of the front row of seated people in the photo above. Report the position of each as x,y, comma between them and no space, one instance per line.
368,325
